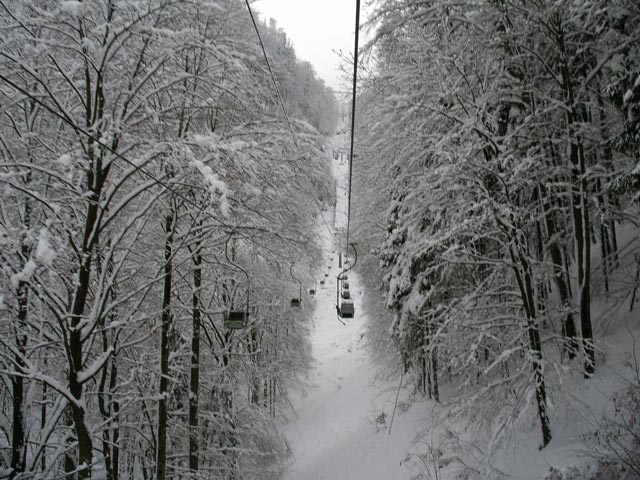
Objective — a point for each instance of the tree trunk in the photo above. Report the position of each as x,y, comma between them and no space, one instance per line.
580,211
434,374
568,325
194,380
90,238
18,445
605,251
161,455
583,251
115,411
105,395
522,270
18,436
69,463
614,242
43,423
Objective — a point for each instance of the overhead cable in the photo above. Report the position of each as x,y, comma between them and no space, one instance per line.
273,78
353,118
275,85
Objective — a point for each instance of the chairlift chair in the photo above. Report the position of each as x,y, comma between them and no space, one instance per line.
312,291
235,319
295,302
346,309
345,285
346,294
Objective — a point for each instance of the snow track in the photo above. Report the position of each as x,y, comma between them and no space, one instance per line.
334,434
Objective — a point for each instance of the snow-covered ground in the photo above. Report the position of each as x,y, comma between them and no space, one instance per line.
340,427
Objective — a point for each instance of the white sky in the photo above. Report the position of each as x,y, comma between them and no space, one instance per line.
316,29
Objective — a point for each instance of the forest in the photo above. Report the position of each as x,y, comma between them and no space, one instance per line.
497,186
162,186
152,189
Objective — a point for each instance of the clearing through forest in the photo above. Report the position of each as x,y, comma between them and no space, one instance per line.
340,427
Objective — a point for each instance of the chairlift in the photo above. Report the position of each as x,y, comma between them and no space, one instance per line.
344,305
321,282
346,309
312,291
295,302
234,318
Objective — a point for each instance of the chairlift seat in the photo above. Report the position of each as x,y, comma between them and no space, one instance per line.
345,285
235,319
346,309
295,302
321,282
312,291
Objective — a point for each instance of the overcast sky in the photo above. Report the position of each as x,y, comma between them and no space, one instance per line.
316,29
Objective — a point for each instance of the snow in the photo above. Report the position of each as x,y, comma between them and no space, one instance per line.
206,141
340,430
216,186
72,7
64,159
335,435
44,253
90,371
25,274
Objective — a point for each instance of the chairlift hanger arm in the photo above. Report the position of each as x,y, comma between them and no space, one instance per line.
351,265
297,280
226,253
